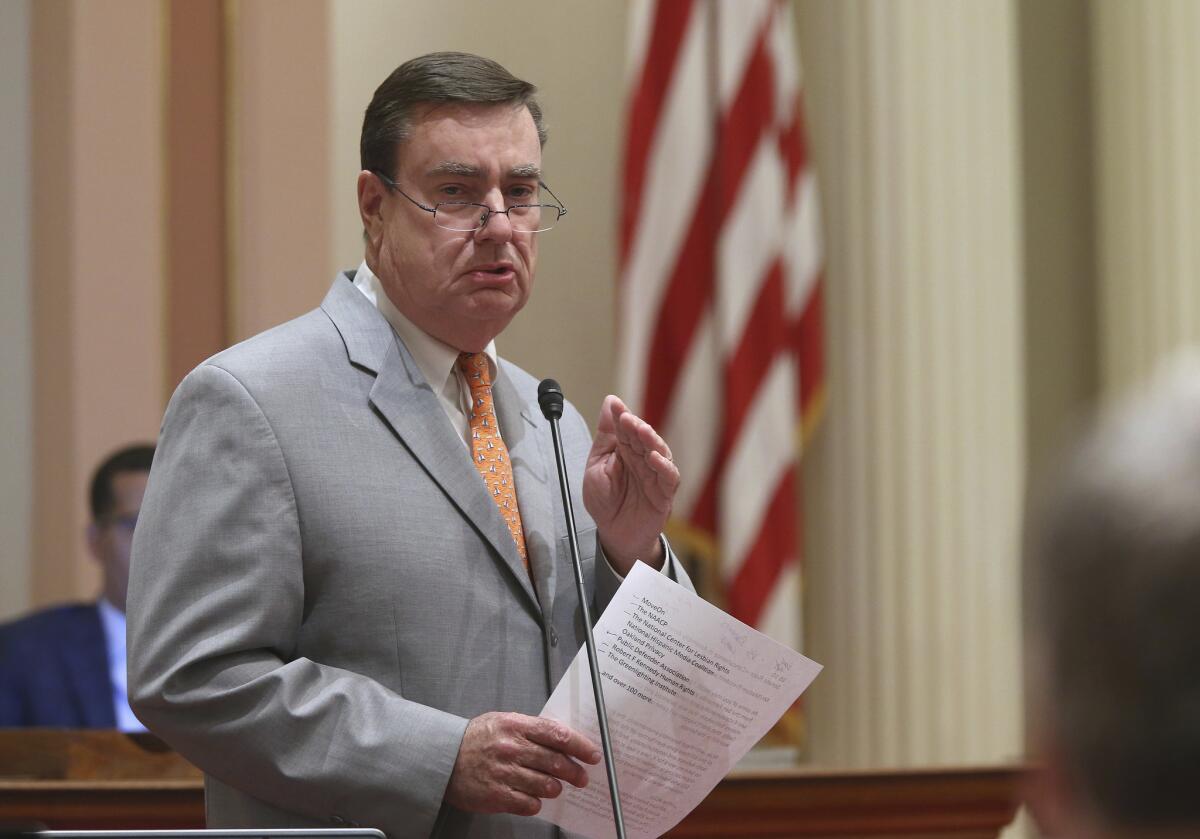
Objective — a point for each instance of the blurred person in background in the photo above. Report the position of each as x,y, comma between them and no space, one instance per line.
1112,599
64,666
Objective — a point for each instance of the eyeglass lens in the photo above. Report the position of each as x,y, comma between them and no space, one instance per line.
527,218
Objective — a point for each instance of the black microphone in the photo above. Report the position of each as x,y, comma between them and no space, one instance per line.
550,398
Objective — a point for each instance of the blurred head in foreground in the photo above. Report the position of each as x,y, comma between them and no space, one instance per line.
1112,601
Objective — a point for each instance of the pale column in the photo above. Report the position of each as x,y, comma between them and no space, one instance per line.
1145,71
914,483
278,211
16,315
98,339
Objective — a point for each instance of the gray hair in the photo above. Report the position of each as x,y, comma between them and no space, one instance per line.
1112,600
433,79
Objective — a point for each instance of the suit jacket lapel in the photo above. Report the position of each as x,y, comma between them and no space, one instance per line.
406,402
527,436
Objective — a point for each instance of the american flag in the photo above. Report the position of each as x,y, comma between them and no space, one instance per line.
719,305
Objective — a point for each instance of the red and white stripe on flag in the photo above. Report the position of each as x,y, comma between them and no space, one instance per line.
719,313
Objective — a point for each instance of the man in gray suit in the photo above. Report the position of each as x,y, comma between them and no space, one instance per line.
340,607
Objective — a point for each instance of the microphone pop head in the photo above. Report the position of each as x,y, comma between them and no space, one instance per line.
550,397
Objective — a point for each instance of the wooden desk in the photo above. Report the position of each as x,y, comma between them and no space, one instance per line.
80,780
104,780
103,805
964,802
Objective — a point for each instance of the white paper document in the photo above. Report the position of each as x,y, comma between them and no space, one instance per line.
688,690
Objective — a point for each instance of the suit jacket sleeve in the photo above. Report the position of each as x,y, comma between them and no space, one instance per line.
216,600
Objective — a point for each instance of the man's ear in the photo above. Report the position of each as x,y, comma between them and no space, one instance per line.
371,193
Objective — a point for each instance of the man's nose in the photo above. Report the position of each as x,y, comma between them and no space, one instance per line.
497,227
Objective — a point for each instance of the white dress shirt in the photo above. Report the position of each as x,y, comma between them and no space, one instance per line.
437,361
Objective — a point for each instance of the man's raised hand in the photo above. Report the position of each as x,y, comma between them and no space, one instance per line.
628,486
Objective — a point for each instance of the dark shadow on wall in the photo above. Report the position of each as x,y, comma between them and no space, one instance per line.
1059,222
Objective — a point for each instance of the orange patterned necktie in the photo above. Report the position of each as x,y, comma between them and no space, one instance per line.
487,448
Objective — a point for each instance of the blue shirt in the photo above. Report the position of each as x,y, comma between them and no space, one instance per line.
113,621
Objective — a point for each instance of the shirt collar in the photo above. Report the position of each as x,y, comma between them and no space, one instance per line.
435,359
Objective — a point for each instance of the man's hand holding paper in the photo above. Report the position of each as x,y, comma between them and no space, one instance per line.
688,691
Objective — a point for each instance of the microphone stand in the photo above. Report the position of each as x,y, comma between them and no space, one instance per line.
550,398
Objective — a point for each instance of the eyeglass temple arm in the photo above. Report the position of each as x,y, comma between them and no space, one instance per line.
562,209
390,184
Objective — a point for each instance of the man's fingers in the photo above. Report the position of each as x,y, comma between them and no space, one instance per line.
650,439
667,471
521,803
560,738
615,407
555,764
534,783
610,416
640,436
650,459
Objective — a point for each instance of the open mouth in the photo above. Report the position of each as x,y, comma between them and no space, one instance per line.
502,269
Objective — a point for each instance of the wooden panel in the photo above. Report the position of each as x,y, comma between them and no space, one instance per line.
55,539
195,221
51,754
954,802
960,802
103,805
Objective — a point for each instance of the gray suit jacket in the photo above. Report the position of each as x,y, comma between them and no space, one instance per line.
323,593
